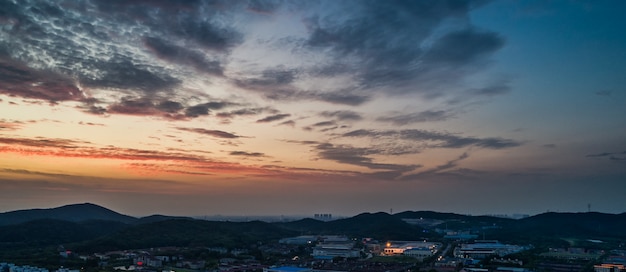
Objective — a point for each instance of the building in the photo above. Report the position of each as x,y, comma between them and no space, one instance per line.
287,269
484,248
323,216
299,240
330,250
419,250
609,268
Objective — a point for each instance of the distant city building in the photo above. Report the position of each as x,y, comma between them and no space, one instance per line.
323,216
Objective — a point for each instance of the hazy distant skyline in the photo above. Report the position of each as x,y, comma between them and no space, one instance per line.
304,107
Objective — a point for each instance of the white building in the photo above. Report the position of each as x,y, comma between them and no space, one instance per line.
335,249
415,249
484,248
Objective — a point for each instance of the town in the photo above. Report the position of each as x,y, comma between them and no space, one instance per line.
441,243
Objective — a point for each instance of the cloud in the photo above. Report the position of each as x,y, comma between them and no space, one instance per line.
246,112
121,73
324,124
276,84
288,123
133,106
9,125
357,156
41,142
435,139
494,89
439,168
612,156
183,56
81,149
273,118
400,45
247,154
416,117
90,124
17,79
604,93
169,106
342,115
373,48
463,47
213,133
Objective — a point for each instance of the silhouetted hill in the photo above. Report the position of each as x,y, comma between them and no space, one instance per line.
73,213
377,225
304,226
590,223
431,215
189,232
157,218
47,232
562,229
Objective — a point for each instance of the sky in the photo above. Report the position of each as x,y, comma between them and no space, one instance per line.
301,107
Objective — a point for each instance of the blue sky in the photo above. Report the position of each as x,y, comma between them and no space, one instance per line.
290,107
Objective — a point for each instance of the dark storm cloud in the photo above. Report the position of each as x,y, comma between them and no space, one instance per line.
463,47
123,74
435,139
133,106
273,118
205,108
183,56
342,98
188,20
206,34
399,43
357,156
17,79
416,117
197,110
94,45
169,106
342,115
247,154
276,84
377,47
262,6
214,133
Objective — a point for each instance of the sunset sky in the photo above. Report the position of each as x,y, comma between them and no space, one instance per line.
303,107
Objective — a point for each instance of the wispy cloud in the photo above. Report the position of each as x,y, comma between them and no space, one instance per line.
273,118
342,115
416,117
435,139
209,132
247,154
612,156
